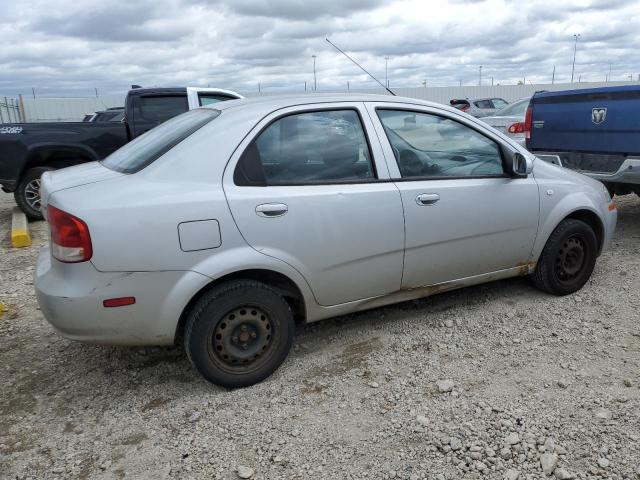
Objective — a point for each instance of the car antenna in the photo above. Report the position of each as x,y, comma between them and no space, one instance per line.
360,66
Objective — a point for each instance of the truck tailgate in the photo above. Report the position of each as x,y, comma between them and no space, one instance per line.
605,120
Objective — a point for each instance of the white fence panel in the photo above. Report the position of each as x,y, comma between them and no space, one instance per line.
66,109
42,109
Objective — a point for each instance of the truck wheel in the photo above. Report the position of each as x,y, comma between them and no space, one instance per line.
239,333
27,194
568,258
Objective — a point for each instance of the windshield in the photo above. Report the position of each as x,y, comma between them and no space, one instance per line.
150,146
515,109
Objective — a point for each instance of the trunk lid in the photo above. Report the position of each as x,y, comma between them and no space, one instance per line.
71,177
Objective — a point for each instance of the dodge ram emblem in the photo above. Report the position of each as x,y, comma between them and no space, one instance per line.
598,115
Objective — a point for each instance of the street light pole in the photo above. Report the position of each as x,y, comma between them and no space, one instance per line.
575,47
480,81
315,85
386,71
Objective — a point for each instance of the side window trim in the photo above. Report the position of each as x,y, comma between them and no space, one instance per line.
443,114
313,109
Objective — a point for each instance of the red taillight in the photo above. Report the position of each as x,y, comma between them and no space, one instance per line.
528,122
464,108
516,128
118,302
70,239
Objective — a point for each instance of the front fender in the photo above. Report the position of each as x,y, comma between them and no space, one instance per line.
552,214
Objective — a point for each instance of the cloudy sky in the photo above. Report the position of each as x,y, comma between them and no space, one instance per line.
70,47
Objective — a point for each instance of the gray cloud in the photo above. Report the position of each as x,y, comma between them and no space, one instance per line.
70,48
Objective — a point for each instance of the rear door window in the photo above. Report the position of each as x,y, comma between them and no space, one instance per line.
499,103
483,104
210,98
159,108
308,148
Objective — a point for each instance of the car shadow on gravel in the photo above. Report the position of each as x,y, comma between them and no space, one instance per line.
133,368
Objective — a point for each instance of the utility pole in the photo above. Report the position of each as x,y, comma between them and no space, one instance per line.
348,87
480,79
575,47
315,85
258,87
492,81
609,76
33,90
386,71
305,85
553,75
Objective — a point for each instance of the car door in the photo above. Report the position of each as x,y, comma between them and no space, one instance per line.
308,187
464,216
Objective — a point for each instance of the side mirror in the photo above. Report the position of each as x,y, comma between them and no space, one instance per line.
522,166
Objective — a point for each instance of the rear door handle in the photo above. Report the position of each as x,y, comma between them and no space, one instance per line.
272,209
427,198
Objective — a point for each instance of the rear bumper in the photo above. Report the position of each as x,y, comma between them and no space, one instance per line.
628,172
71,295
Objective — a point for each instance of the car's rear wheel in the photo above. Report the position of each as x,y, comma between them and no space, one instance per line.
568,258
27,195
239,333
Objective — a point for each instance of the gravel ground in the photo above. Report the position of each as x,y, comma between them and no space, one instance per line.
498,381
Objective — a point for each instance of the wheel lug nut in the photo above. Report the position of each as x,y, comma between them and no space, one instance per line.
234,339
245,346
243,328
253,334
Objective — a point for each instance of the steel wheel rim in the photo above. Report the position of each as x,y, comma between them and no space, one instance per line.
243,339
32,194
571,259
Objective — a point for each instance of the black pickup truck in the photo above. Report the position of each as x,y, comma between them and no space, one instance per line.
29,149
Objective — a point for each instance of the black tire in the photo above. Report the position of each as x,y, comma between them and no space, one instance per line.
27,195
239,333
568,258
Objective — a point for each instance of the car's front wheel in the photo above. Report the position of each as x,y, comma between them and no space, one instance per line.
568,258
238,333
27,195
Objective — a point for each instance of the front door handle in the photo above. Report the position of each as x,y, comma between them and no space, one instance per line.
427,198
272,209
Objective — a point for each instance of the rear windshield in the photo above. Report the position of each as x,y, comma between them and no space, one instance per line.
147,148
515,109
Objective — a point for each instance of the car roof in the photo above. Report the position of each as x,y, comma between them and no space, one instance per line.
276,102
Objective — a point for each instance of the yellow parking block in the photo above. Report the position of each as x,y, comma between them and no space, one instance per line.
20,236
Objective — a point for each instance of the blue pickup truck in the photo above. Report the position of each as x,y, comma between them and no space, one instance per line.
595,131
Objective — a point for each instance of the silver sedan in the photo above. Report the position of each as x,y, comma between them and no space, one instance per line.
510,120
225,226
